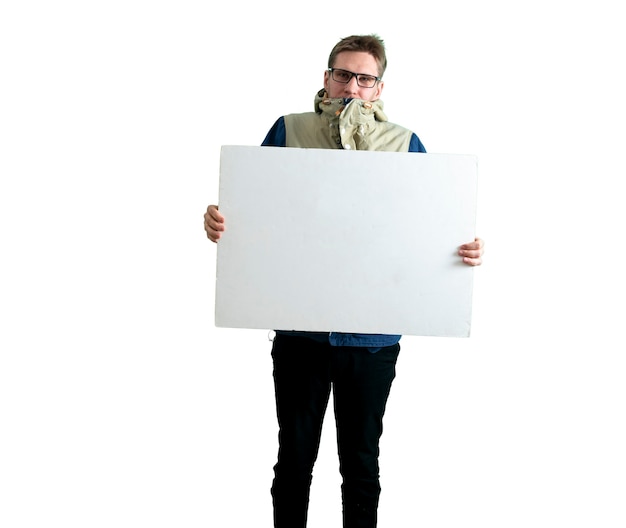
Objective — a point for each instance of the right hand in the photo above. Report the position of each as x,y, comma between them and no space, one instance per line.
213,223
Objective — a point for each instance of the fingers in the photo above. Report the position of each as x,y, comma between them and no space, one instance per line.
213,211
472,252
213,223
477,244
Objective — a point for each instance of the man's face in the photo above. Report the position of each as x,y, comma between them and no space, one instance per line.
359,62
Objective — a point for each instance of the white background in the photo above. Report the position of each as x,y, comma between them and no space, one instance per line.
120,402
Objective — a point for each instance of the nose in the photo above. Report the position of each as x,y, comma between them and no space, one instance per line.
352,87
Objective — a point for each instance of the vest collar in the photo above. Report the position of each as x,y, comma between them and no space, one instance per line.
352,122
353,110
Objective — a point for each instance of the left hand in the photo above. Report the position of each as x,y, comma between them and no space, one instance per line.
472,252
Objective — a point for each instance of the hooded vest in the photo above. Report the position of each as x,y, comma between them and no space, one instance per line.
352,125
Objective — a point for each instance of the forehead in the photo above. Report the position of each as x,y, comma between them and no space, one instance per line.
356,61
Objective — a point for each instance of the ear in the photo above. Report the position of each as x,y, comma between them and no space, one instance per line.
326,80
379,90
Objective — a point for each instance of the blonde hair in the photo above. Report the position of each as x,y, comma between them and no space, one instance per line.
371,44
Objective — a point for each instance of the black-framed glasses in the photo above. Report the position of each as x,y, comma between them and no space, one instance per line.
362,79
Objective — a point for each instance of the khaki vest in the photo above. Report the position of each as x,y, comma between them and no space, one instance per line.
359,125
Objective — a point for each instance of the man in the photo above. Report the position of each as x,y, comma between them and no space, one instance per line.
358,367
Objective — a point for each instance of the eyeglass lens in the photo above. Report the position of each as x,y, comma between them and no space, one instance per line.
344,76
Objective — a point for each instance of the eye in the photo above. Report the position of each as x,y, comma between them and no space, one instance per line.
342,75
367,80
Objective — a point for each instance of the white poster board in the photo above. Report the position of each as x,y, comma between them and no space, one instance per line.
345,241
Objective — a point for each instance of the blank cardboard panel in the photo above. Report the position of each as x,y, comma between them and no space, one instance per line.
345,241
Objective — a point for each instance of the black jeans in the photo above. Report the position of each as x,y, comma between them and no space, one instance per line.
304,372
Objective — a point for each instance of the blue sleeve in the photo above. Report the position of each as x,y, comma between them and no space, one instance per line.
276,137
416,145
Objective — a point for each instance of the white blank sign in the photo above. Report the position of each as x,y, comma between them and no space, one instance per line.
345,241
